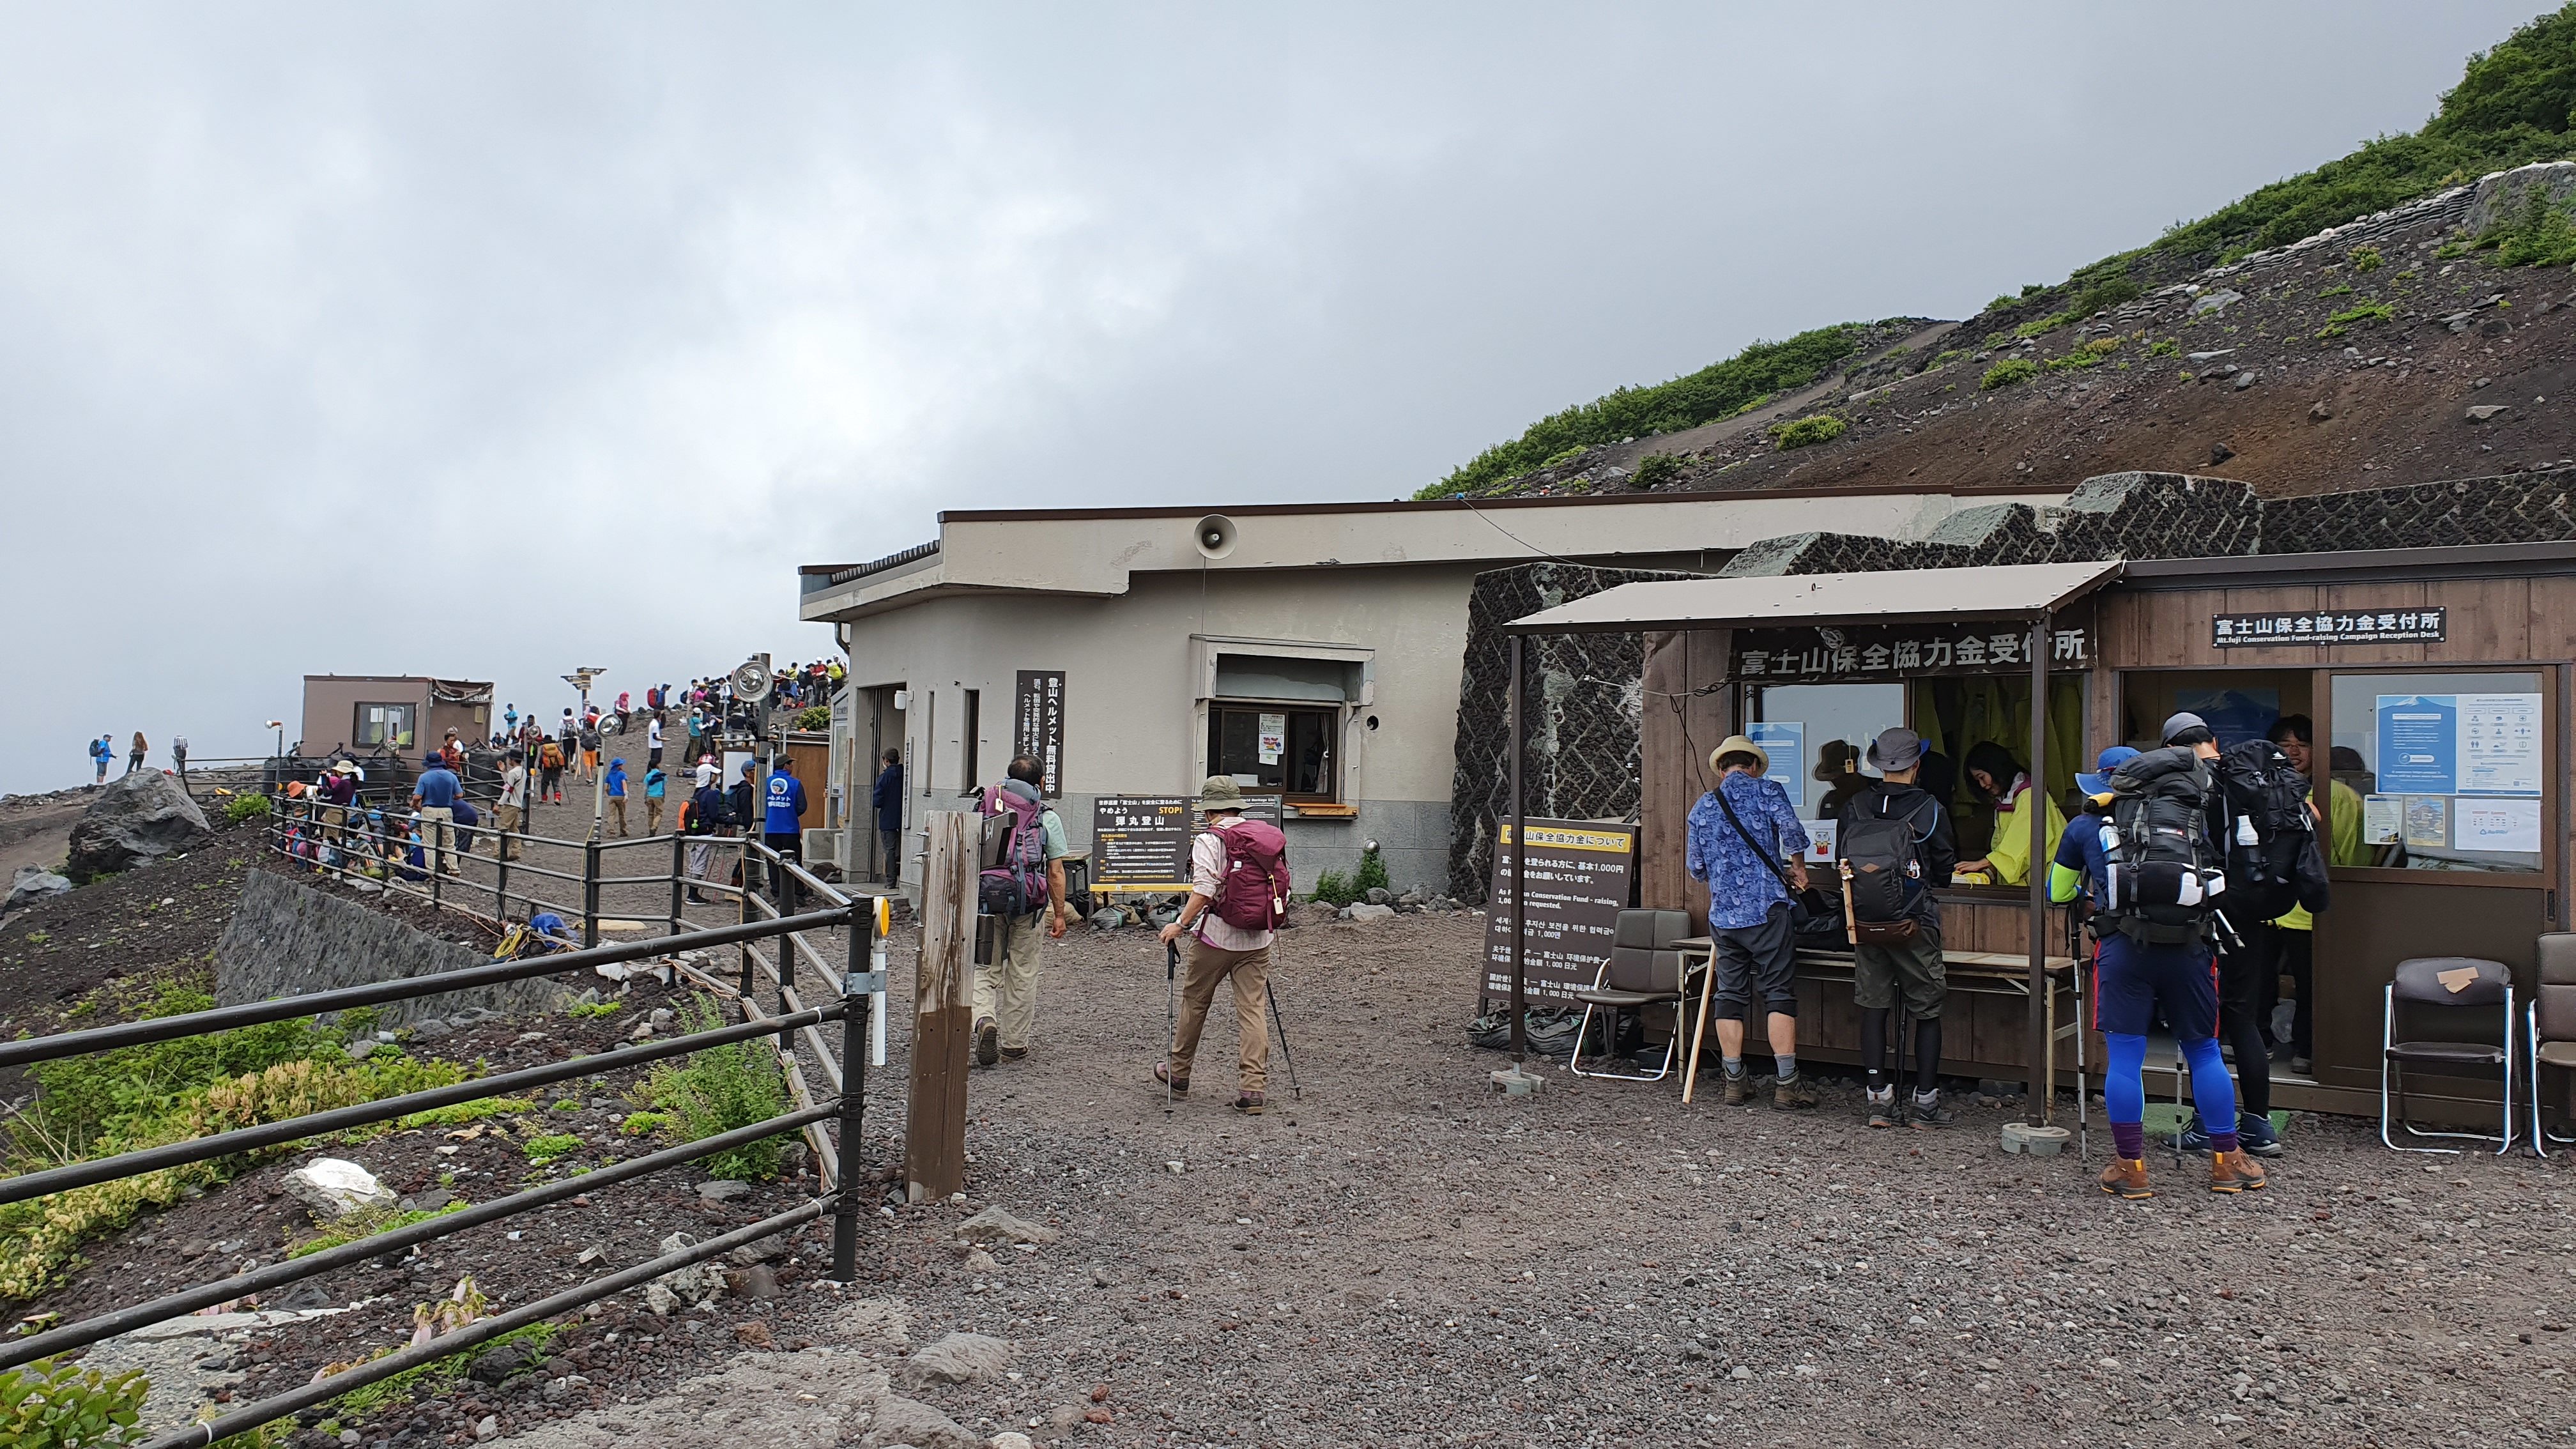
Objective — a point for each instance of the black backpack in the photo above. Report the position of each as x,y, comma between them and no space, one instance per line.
2165,875
2273,860
1882,872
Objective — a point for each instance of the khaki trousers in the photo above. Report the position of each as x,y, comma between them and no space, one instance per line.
509,821
1250,972
652,814
438,837
1007,990
617,812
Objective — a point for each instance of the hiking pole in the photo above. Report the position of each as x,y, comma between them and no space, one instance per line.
1171,976
1285,1055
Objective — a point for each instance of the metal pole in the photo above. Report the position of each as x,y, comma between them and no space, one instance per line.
855,1000
590,888
2043,1084
679,869
1520,853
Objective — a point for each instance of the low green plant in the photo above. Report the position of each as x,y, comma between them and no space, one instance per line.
1371,875
2339,289
402,1388
542,1150
2103,346
50,1404
2366,258
2451,251
591,1009
366,1223
1334,888
2337,324
2166,348
1655,470
252,806
1807,432
719,1089
1754,404
2007,372
2539,235
2407,275
814,717
639,1124
1563,456
2079,358
2001,301
1944,359
464,1112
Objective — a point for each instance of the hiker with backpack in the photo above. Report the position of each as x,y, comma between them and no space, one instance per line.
1239,892
2158,879
1025,882
2285,944
1893,843
701,818
1737,836
2276,871
550,768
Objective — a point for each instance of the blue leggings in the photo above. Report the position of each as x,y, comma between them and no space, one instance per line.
2124,1091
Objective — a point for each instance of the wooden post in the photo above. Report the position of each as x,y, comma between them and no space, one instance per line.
934,1139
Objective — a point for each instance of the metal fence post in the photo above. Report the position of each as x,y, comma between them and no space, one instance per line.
742,907
856,1001
786,946
590,891
679,869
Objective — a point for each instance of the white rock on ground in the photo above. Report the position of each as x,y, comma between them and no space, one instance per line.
697,1283
993,1225
959,1358
334,1187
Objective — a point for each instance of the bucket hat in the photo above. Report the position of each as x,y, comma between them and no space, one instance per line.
1739,745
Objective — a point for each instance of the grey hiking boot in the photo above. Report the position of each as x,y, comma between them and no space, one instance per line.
1882,1109
1923,1116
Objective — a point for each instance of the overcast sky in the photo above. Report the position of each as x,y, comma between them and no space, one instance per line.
491,341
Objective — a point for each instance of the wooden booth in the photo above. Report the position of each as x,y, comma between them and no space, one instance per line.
2436,683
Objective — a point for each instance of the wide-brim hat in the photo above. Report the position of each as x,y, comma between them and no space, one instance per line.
344,768
1739,745
1220,793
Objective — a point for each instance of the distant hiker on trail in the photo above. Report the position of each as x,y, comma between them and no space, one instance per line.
509,720
616,783
1026,883
550,768
888,800
512,814
697,733
134,759
700,819
1239,892
339,794
653,742
101,754
780,821
589,748
434,795
1737,836
179,755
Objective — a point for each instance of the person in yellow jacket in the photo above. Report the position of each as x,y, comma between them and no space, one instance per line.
2287,942
2000,780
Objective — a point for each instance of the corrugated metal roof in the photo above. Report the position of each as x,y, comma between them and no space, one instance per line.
2012,590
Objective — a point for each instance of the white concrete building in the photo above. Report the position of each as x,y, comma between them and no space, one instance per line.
1313,650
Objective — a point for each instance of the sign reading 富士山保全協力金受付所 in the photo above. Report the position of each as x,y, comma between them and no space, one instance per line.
1823,652
1578,874
2417,625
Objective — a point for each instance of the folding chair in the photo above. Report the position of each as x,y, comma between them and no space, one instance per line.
1643,970
2456,988
2550,1027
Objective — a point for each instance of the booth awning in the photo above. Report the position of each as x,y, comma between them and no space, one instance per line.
2010,590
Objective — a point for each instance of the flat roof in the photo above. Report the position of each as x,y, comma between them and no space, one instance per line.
1479,505
1889,596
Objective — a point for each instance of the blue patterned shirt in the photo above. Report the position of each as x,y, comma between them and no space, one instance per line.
1741,889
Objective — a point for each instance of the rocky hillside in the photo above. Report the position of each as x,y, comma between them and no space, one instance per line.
2424,340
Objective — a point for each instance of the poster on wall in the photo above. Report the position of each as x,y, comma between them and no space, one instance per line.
1274,738
2459,744
1785,742
1578,875
2511,825
1140,842
1037,724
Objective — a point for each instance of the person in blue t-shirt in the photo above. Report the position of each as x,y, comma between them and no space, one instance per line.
783,804
616,782
2134,981
434,795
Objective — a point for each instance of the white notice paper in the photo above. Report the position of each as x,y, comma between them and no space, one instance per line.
2380,819
2500,744
1820,841
2498,825
1274,738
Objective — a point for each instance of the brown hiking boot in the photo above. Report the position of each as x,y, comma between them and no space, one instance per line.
2234,1172
1792,1094
1738,1087
2126,1177
1249,1104
1180,1086
988,1042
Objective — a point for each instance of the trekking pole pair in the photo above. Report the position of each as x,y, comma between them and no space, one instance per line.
1171,978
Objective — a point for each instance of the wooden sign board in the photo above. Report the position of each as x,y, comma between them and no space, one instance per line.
1140,844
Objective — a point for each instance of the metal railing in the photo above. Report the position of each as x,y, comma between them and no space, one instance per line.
852,991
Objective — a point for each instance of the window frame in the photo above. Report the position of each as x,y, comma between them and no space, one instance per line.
1336,726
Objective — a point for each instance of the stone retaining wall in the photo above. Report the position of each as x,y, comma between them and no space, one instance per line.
287,939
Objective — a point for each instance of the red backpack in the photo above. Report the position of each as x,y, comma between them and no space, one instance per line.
1254,894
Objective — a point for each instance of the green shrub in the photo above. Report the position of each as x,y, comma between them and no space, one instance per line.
2076,359
1717,391
591,1009
1556,460
1807,432
814,717
542,1150
1372,874
2103,346
1944,359
722,1088
2007,372
1655,470
2339,289
245,807
1755,404
2166,348
366,1223
2366,312
638,1124
1334,888
51,1404
2540,235
464,1112
2001,301
2366,258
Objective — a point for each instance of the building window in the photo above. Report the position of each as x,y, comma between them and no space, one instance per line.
970,738
1277,747
385,724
